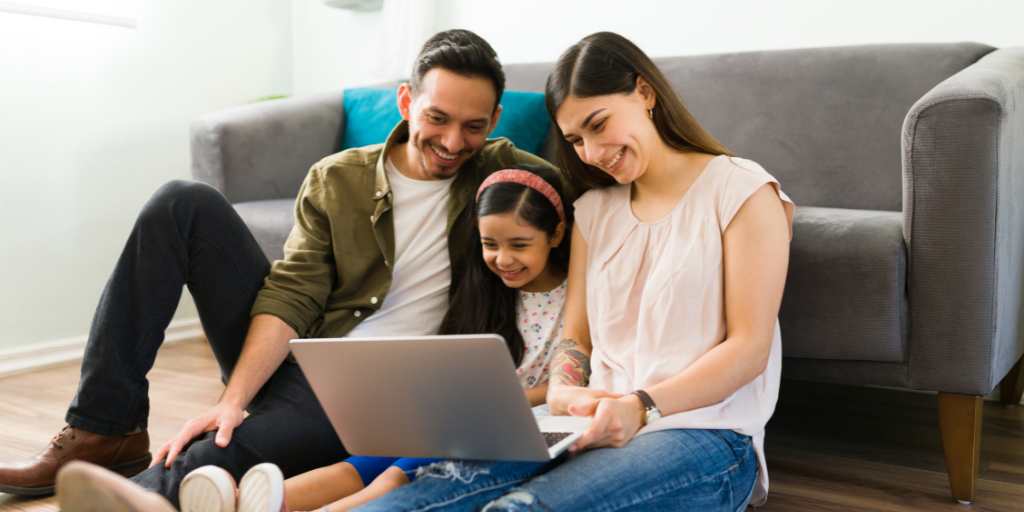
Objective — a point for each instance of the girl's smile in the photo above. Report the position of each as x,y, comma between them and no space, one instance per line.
518,252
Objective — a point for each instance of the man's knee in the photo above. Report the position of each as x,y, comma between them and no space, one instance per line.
205,452
178,197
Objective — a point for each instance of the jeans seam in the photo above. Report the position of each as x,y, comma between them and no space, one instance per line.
743,506
460,497
671,486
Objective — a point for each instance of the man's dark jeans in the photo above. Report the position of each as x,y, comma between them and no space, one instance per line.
189,235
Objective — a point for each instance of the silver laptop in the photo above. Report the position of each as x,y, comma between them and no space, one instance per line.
430,396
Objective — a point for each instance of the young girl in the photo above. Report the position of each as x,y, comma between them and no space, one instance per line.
514,286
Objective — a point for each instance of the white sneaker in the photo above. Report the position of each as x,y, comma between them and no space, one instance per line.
84,487
261,489
207,489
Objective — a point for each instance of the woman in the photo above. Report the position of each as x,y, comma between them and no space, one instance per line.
679,257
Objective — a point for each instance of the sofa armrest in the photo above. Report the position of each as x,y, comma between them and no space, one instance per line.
963,177
264,150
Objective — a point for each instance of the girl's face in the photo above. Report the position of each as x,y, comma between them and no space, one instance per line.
518,252
612,132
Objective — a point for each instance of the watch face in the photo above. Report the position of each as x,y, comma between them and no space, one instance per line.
653,414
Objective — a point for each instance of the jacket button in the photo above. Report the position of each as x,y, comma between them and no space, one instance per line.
358,313
378,193
373,300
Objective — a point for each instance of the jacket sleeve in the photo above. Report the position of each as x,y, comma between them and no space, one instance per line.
298,285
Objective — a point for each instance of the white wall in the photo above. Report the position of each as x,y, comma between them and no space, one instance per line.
538,30
334,49
530,30
93,118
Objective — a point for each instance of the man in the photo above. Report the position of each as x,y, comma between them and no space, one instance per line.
368,256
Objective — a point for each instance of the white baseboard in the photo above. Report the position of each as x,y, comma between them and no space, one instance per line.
41,355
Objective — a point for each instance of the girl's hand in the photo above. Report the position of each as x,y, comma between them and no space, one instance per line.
561,397
616,421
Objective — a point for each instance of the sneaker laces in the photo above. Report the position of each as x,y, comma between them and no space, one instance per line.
64,432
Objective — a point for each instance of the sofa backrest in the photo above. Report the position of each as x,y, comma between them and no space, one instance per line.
825,121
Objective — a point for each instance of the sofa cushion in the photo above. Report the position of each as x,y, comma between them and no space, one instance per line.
371,114
270,221
845,295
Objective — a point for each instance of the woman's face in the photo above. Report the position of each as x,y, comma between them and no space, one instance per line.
516,251
611,132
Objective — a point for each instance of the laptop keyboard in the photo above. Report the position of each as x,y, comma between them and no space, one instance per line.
552,438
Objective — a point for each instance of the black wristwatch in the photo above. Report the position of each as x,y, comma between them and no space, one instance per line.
651,411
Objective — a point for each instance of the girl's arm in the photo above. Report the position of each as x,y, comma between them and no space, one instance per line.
756,256
570,364
537,394
312,489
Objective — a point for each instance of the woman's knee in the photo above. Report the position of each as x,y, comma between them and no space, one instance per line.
516,501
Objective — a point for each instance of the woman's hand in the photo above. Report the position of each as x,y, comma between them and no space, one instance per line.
561,397
616,421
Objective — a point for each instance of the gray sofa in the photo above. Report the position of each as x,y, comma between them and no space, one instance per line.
906,163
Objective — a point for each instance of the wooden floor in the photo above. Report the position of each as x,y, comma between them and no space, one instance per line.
830,448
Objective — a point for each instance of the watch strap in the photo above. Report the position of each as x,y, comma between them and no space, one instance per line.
645,399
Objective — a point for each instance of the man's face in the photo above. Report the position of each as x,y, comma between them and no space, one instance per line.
449,120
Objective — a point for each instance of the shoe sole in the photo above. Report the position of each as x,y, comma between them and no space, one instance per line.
207,489
88,488
126,469
261,489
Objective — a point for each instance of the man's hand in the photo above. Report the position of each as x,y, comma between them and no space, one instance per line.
616,421
561,398
223,417
265,347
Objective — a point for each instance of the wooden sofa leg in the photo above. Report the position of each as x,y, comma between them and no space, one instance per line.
1011,389
960,425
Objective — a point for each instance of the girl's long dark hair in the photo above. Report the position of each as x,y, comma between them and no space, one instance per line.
607,63
480,301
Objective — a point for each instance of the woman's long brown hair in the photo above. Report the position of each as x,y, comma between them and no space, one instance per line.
607,63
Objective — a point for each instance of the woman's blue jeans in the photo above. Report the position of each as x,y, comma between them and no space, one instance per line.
683,469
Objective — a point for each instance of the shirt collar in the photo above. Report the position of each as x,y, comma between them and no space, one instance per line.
381,185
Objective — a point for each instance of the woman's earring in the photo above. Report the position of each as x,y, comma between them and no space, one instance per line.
650,112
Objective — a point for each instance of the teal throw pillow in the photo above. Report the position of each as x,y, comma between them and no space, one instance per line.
371,114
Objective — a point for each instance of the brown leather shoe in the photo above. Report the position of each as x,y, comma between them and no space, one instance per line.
84,487
127,455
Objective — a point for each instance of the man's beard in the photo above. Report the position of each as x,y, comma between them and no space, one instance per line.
443,172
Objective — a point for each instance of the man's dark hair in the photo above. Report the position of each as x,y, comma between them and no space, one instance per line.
463,52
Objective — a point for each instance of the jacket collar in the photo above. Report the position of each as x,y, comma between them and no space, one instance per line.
381,185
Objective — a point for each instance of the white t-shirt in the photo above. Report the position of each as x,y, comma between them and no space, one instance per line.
540,319
421,274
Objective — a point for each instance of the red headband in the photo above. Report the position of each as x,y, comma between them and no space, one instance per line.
528,179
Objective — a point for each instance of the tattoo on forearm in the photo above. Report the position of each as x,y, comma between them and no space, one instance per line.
570,365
